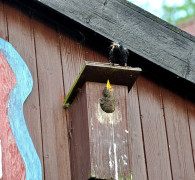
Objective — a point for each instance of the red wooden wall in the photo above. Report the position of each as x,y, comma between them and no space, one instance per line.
162,123
188,26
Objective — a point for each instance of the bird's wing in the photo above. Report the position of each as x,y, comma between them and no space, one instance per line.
110,55
127,51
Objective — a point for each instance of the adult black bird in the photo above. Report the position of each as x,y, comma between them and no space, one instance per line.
118,54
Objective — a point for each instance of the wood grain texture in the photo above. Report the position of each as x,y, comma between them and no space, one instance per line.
108,134
72,59
191,115
164,44
136,136
79,137
153,124
3,23
92,54
21,36
54,126
178,136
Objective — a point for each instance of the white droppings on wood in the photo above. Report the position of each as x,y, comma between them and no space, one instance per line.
1,171
115,162
108,118
125,163
127,131
91,123
115,152
124,159
110,157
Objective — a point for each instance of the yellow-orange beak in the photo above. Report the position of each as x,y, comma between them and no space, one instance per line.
108,85
116,45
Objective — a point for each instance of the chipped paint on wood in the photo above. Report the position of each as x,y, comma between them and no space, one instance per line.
12,162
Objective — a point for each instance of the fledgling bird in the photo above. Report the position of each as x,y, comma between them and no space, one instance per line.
118,54
107,103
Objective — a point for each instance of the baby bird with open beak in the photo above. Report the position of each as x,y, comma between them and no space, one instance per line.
107,102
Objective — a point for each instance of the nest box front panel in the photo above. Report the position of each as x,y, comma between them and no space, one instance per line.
109,133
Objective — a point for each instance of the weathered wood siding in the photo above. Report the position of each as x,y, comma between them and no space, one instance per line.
161,122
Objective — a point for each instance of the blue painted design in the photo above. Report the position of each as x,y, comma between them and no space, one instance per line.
15,110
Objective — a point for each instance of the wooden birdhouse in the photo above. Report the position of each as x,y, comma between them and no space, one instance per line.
99,140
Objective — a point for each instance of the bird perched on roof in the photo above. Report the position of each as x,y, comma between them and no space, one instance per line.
107,102
118,54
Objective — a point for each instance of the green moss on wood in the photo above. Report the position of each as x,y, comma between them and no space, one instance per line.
71,90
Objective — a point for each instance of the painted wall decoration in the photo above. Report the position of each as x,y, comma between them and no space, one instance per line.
1,174
20,160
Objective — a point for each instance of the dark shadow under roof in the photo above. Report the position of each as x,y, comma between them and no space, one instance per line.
143,33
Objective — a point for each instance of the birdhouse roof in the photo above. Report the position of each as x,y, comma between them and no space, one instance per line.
101,72
150,37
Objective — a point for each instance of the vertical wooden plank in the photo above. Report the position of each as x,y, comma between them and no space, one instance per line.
94,55
80,149
191,116
155,140
54,127
72,59
178,136
135,136
21,36
3,24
